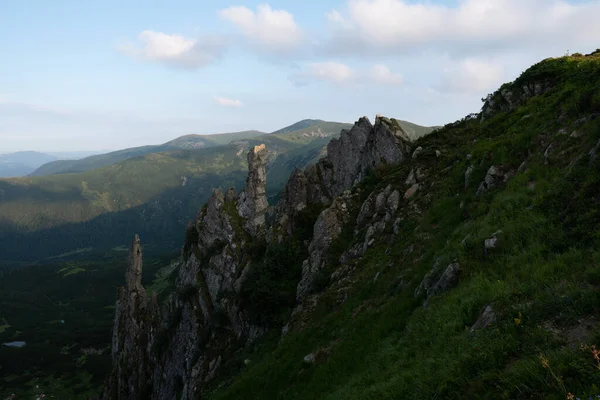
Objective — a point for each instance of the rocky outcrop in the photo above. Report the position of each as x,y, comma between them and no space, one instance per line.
509,97
175,352
487,318
438,280
349,158
136,317
252,202
375,215
328,227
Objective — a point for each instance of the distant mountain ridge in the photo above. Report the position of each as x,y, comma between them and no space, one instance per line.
21,163
305,123
103,160
154,189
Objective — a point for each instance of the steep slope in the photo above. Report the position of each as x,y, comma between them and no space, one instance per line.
103,160
462,266
216,306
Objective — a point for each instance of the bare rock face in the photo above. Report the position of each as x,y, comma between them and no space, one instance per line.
438,280
487,318
505,99
328,227
376,213
252,202
136,316
348,160
175,352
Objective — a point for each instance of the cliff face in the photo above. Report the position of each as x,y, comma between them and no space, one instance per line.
174,351
136,317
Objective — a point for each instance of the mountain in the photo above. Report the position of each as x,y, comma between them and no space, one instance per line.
305,123
74,155
22,163
103,160
460,266
157,193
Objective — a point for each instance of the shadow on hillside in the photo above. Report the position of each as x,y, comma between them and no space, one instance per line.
160,222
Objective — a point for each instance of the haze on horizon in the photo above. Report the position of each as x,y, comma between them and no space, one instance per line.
113,75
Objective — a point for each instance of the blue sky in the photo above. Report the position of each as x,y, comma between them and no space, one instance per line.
110,74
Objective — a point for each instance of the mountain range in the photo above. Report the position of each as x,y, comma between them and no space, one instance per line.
68,205
460,265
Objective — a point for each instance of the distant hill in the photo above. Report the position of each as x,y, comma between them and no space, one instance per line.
416,131
22,163
305,123
153,193
152,190
103,160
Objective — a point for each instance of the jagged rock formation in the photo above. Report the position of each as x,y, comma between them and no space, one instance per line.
178,350
135,318
350,157
172,354
252,203
327,228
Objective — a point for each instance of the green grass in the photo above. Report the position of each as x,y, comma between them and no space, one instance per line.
542,279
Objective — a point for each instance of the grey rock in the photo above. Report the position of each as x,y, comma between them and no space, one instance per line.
411,191
576,134
135,317
487,318
309,359
447,281
411,179
252,201
491,180
327,228
468,174
417,152
429,278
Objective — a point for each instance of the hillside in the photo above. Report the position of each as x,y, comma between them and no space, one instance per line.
157,193
103,160
305,123
22,163
462,266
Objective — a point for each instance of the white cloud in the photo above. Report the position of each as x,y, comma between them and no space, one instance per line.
469,27
382,75
228,102
174,50
330,71
473,75
274,29
342,74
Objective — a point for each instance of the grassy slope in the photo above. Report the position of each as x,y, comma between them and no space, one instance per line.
103,160
380,343
305,123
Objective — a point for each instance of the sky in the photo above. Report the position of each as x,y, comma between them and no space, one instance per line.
104,75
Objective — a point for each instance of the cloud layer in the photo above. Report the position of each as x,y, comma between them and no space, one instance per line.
174,50
341,74
273,29
225,102
371,26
